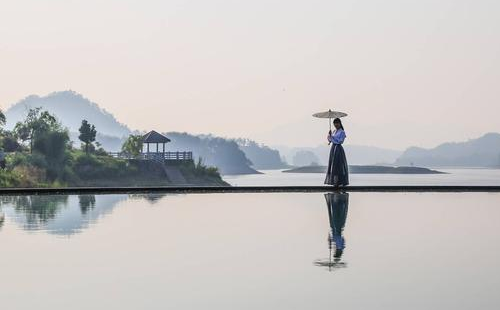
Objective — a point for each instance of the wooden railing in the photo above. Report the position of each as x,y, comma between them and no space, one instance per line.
155,156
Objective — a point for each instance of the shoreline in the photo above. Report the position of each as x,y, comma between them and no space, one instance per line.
245,189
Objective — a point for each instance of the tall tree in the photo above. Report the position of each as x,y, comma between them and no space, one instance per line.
133,145
9,141
87,134
53,145
36,122
47,138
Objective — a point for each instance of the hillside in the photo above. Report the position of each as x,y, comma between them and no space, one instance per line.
261,156
70,107
481,152
215,151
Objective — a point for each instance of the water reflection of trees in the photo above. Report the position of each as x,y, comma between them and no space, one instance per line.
151,198
62,214
37,209
86,203
337,204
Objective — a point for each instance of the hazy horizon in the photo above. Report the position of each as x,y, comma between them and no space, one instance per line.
408,73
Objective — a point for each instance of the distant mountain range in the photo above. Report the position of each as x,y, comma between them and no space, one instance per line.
244,155
481,152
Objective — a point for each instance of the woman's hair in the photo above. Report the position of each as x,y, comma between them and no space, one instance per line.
337,120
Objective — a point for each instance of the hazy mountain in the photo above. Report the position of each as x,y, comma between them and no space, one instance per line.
70,108
480,152
222,153
356,154
305,158
261,156
242,155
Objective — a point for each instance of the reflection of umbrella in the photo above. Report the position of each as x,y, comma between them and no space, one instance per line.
330,114
331,264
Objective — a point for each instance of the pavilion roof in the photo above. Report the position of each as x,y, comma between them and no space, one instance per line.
154,137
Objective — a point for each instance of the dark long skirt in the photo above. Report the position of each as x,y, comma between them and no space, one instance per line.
337,173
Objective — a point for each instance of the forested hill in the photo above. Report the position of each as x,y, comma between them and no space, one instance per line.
215,151
70,108
261,156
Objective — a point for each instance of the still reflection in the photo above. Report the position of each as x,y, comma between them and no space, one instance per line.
37,209
86,202
57,214
337,204
152,198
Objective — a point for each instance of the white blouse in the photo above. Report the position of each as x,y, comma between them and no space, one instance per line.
337,137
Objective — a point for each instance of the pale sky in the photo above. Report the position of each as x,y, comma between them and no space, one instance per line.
408,72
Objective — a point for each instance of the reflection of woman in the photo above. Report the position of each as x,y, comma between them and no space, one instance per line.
337,204
337,173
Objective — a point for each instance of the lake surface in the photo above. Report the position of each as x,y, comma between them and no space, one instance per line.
452,177
251,251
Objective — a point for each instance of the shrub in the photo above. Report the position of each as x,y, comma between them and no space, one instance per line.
30,176
9,179
100,167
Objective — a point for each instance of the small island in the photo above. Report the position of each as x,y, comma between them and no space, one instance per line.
368,169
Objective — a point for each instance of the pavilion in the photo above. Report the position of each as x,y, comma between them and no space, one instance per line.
154,137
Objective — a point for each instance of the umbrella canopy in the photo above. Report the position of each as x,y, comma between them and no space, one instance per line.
330,114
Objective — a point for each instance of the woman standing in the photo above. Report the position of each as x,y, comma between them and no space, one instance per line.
337,173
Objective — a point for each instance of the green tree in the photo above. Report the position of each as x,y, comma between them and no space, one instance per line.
2,132
49,142
133,145
54,146
87,134
9,142
36,122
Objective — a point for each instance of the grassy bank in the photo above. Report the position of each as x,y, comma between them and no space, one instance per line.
80,169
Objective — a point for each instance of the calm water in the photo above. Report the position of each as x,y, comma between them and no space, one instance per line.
452,177
251,251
